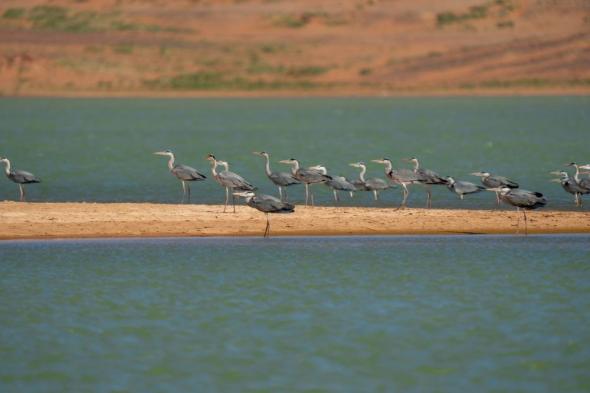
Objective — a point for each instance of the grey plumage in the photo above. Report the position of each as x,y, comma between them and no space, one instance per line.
495,181
462,188
230,180
20,177
280,179
307,176
182,172
374,184
428,178
403,177
570,185
266,204
521,199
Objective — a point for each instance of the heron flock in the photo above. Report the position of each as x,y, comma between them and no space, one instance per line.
506,190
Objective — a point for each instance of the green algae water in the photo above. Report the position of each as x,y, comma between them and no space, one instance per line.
101,149
350,314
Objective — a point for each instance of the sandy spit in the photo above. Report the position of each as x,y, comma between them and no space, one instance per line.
96,220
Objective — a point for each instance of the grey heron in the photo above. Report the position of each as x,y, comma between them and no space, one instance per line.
571,185
373,184
184,173
307,176
462,188
584,182
280,179
336,183
495,181
521,199
19,177
266,204
230,180
403,177
427,177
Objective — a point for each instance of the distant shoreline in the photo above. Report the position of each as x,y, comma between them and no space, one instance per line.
503,92
123,220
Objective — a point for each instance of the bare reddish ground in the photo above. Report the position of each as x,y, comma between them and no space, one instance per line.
280,47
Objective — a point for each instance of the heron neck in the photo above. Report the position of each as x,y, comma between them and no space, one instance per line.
267,167
7,167
416,166
295,167
388,166
362,174
214,167
577,175
171,162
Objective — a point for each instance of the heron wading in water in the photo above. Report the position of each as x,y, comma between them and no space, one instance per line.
521,199
184,173
230,180
19,177
266,204
281,179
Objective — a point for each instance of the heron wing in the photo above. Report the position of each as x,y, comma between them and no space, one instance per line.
377,184
526,199
494,181
235,181
311,176
187,173
23,177
283,179
270,204
340,183
465,187
428,176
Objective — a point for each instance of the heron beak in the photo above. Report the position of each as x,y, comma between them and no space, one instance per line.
496,189
555,181
378,161
284,162
555,173
257,153
160,153
476,174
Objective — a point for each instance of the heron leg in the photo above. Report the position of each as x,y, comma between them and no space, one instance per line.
188,189
226,198
375,195
306,193
351,194
525,223
429,196
498,198
183,190
22,192
335,195
233,199
461,196
286,196
405,194
267,229
280,193
311,194
518,221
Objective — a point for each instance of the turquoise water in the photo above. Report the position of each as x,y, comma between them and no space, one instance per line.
100,150
408,314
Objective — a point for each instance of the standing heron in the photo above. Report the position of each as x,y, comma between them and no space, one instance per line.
521,199
230,180
373,184
584,182
19,177
336,183
572,186
266,204
280,179
403,177
428,178
462,188
307,176
495,181
184,173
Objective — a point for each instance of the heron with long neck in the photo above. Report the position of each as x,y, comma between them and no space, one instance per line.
184,173
266,204
571,185
336,183
229,180
426,177
495,181
521,199
19,177
307,176
374,184
403,177
281,179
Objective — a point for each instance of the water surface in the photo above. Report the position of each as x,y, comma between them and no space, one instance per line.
100,149
410,314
